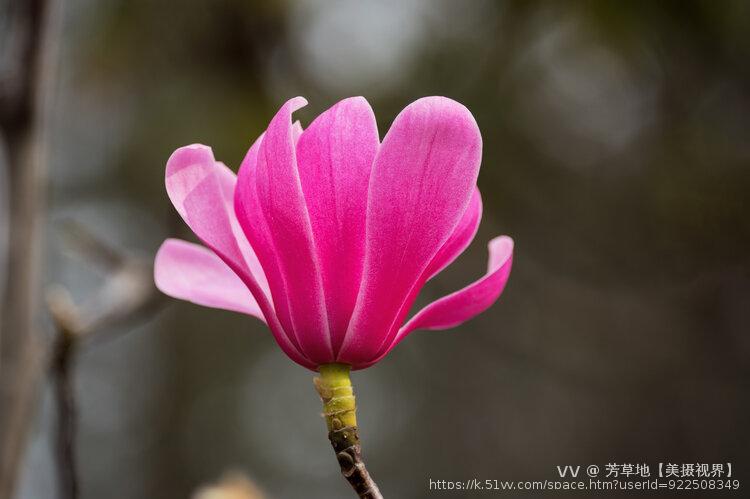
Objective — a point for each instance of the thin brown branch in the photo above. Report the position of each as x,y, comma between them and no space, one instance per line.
27,39
128,293
91,248
65,404
345,443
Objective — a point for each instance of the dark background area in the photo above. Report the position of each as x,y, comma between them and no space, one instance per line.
616,154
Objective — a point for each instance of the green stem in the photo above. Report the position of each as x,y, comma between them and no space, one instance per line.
339,410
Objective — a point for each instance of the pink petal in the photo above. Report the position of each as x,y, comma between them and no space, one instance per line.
200,189
335,156
421,183
256,229
272,211
253,223
296,131
460,306
191,272
453,247
460,239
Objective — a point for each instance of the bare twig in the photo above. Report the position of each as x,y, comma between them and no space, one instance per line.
128,292
62,365
27,56
91,248
28,30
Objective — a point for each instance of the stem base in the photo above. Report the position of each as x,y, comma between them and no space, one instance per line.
339,410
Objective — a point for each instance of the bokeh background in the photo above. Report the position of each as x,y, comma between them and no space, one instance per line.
616,154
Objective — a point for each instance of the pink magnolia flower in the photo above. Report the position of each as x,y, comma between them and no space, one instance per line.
328,235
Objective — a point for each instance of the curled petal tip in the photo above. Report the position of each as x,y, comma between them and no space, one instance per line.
500,242
188,155
296,103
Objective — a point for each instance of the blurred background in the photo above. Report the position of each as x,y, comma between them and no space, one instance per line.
616,154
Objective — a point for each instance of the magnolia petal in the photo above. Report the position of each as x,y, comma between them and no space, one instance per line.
453,247
335,156
420,186
462,305
272,211
297,131
255,226
200,189
462,236
191,272
187,167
